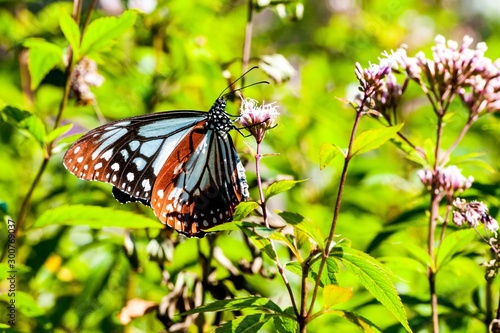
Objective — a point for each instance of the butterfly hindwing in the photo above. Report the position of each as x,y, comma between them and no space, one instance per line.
202,186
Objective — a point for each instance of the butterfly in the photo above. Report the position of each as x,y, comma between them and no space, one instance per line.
182,164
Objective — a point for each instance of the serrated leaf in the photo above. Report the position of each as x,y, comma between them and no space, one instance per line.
241,303
372,139
288,240
333,295
306,226
286,324
281,186
71,31
257,229
372,274
452,244
262,244
42,57
327,276
327,153
54,134
34,126
245,324
101,32
243,209
95,217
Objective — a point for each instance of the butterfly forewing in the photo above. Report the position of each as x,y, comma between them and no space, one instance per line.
130,153
182,163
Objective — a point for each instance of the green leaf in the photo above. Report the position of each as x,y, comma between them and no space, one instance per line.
429,149
243,209
364,324
234,304
25,304
71,31
327,153
101,32
42,57
327,276
54,134
286,324
281,186
95,217
420,255
263,244
15,114
333,295
452,244
304,225
257,229
404,263
329,271
245,324
288,240
372,139
34,126
373,275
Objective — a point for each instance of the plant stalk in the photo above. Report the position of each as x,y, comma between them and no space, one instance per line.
336,213
262,198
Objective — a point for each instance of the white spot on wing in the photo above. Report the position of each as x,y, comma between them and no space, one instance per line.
115,167
146,185
140,163
107,155
98,166
79,159
77,149
130,176
160,194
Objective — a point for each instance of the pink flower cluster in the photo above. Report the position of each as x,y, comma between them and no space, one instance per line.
446,182
83,77
473,213
457,70
257,119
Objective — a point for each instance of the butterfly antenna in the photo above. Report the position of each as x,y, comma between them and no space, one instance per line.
247,86
232,83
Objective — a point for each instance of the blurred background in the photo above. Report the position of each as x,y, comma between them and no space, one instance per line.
182,55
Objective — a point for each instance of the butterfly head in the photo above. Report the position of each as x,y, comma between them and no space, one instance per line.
218,120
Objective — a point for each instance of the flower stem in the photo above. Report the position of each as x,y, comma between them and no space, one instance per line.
336,212
455,143
435,200
258,157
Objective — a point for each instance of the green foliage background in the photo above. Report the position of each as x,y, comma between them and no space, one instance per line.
78,279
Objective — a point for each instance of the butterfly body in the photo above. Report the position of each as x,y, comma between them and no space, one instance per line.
181,163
